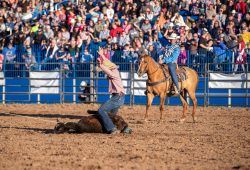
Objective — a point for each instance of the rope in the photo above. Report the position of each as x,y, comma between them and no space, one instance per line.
15,114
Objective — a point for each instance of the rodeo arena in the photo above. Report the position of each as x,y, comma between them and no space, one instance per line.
124,84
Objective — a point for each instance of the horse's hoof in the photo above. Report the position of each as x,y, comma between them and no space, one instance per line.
140,122
194,119
182,120
160,121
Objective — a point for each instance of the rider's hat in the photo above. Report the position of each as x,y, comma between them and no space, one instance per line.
173,36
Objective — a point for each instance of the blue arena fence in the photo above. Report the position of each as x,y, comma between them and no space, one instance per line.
197,60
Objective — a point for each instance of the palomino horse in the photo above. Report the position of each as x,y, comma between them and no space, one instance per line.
158,84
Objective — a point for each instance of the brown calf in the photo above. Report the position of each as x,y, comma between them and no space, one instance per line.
89,124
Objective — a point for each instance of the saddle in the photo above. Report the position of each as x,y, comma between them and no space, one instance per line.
181,74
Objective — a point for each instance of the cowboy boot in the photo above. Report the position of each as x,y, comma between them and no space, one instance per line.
176,91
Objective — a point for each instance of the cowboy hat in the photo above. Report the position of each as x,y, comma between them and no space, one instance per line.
204,31
173,36
108,64
171,24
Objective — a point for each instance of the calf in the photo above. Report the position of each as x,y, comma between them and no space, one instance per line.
90,124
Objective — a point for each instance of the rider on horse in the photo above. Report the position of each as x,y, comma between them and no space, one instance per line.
169,57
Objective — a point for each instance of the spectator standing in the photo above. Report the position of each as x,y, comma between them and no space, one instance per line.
115,32
134,31
9,53
177,19
104,34
61,54
184,5
215,30
156,9
50,55
1,60
194,28
146,28
152,52
240,7
65,34
210,12
126,53
85,62
241,55
110,12
39,39
205,45
48,32
219,50
73,51
182,59
30,61
98,27
221,17
124,39
126,26
149,14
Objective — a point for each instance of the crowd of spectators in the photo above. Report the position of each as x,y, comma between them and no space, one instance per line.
34,32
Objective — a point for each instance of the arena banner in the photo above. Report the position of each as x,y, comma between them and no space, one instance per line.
126,81
41,82
1,79
139,84
230,81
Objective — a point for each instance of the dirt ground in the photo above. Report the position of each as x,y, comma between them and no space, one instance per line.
219,140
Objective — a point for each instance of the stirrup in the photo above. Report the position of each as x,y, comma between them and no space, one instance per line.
176,94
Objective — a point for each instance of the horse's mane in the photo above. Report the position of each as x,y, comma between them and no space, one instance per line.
148,56
158,64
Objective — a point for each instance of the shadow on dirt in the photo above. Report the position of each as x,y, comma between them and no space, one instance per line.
40,130
42,115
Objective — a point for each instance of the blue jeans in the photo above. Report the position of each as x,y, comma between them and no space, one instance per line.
172,71
112,105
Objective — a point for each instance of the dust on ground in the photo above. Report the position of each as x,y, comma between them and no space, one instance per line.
219,140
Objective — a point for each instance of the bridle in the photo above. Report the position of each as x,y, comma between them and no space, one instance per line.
153,71
150,74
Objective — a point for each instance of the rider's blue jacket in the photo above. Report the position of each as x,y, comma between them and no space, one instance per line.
172,51
171,56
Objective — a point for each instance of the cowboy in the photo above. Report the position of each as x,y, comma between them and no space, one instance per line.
169,57
117,94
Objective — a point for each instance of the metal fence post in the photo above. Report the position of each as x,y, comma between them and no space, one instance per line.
232,62
205,85
130,83
92,93
247,87
61,84
4,84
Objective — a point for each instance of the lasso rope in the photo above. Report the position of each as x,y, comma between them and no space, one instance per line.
16,114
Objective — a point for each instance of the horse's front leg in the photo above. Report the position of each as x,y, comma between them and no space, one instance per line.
150,97
162,102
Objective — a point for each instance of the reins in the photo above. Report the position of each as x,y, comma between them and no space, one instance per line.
160,81
154,71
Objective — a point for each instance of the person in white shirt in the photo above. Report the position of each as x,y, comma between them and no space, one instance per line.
110,12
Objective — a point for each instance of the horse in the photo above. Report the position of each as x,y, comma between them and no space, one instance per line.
90,124
159,83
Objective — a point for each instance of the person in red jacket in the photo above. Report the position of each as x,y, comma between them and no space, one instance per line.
240,7
115,32
71,18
